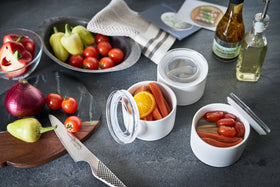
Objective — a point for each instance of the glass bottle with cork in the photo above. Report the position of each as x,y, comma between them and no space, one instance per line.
253,49
229,33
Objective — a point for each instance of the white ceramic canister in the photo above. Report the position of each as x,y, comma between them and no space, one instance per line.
225,156
123,116
184,71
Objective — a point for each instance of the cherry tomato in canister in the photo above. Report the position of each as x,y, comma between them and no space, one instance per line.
54,101
101,38
226,122
106,62
73,124
213,116
91,63
90,51
229,115
69,105
227,131
240,129
103,48
76,61
116,55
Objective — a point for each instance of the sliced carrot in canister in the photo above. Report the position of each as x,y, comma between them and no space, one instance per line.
160,100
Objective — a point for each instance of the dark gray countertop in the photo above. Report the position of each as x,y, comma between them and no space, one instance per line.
169,161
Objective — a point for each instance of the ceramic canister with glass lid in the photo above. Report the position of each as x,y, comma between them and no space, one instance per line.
222,150
185,72
123,118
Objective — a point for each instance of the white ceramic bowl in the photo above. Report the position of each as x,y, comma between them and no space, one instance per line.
217,156
155,130
185,72
123,116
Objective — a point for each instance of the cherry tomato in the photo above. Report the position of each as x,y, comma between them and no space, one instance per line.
226,122
76,61
90,51
213,116
106,62
116,55
69,105
73,123
91,63
240,129
101,38
229,115
54,101
104,48
227,131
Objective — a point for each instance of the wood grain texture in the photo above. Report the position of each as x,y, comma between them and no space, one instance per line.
17,153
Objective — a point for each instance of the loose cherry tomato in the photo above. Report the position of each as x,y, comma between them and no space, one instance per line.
240,129
54,101
73,124
229,115
226,122
91,63
116,55
69,105
106,62
101,38
104,48
90,51
227,131
213,116
76,61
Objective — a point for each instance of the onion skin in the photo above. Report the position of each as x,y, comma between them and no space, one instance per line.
23,100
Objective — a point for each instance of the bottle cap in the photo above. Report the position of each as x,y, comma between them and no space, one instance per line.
259,27
236,1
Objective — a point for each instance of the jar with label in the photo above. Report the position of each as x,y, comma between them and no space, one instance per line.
229,33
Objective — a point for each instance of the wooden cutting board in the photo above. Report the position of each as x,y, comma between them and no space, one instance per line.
17,153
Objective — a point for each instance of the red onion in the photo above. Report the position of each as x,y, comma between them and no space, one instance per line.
24,100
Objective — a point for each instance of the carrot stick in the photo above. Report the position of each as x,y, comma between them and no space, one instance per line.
220,144
142,88
156,114
159,98
217,137
148,117
167,106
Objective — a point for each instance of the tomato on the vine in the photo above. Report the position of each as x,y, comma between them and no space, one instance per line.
104,48
106,62
91,63
76,61
73,124
116,55
54,101
90,51
101,38
69,105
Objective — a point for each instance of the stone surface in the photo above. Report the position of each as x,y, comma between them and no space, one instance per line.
169,161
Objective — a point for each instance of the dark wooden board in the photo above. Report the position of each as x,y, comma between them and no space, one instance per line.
17,153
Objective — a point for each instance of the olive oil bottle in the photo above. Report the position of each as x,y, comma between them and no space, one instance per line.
253,51
229,33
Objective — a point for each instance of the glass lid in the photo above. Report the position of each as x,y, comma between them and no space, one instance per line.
246,112
122,116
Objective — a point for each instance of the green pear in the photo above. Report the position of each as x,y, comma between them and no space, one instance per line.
27,129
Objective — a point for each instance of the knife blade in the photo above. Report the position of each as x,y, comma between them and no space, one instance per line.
79,152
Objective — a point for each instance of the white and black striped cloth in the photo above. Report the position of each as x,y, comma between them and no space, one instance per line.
117,19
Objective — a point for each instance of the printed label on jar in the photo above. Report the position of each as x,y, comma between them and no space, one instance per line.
226,50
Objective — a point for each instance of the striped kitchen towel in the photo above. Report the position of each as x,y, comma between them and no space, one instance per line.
117,19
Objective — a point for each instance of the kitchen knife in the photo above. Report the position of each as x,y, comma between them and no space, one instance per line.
79,152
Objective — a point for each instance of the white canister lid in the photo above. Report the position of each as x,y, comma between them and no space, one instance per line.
254,121
183,67
122,116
